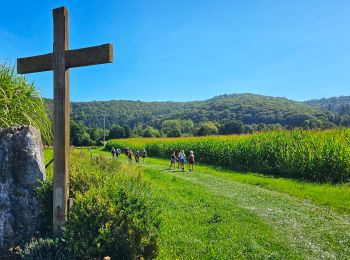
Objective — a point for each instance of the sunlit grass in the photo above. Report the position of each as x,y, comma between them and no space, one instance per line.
21,103
218,213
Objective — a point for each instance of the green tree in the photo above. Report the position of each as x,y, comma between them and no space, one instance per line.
97,135
312,124
169,126
174,133
187,127
116,132
207,128
79,135
127,131
232,127
150,132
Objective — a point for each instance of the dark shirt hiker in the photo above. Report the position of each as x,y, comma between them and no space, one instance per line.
173,160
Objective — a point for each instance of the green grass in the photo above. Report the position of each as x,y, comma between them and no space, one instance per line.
216,213
336,197
21,103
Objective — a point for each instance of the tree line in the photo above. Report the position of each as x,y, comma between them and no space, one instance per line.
223,115
85,136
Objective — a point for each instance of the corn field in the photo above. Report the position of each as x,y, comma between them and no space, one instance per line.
320,156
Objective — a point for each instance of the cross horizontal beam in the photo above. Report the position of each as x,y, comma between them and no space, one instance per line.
73,58
34,64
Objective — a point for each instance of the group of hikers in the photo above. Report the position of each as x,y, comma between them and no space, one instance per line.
129,154
180,159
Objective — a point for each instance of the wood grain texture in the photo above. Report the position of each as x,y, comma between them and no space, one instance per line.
34,64
61,116
73,58
89,56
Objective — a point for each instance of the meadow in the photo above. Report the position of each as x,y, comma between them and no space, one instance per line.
218,213
312,155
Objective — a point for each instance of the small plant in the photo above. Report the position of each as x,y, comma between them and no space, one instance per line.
43,249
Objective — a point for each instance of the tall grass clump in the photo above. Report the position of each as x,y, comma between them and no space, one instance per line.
320,156
21,103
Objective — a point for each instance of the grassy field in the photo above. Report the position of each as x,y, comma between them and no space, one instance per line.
216,213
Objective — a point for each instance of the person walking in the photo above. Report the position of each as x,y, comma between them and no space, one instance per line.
130,154
113,152
182,160
143,155
126,152
117,153
191,161
137,156
90,153
173,160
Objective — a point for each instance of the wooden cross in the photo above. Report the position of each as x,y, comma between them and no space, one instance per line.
60,60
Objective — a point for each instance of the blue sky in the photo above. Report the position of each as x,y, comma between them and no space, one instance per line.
191,50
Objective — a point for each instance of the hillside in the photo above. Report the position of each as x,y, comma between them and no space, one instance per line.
340,106
247,108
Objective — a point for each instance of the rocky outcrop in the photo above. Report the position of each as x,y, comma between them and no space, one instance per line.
21,169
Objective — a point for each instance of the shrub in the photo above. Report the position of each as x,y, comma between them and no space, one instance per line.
45,197
115,220
113,213
43,249
21,104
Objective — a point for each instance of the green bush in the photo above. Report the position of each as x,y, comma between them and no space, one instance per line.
21,103
45,197
44,249
117,220
113,213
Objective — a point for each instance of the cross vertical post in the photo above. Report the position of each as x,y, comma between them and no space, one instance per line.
60,60
61,115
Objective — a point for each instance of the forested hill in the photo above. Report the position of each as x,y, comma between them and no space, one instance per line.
338,105
250,109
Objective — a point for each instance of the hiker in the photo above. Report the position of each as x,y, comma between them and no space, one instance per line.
178,161
130,154
191,161
89,150
126,152
137,156
173,160
182,160
117,153
143,155
113,152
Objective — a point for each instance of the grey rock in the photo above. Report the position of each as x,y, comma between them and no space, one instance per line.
21,170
